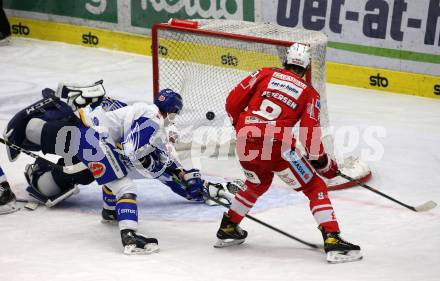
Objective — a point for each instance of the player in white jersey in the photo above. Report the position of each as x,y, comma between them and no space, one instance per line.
110,138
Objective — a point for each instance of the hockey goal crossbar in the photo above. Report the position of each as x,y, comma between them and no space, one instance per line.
239,37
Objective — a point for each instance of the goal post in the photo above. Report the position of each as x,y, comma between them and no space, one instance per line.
204,60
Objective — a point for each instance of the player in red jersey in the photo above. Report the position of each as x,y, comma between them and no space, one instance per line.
264,108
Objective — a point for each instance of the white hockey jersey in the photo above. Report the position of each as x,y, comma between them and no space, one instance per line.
117,125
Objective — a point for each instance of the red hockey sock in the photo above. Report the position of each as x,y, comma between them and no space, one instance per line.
320,205
245,200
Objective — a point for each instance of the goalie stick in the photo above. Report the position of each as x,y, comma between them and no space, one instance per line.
73,169
311,245
420,208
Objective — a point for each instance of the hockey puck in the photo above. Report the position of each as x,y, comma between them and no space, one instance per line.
210,115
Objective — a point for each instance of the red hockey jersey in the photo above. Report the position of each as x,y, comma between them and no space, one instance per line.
274,100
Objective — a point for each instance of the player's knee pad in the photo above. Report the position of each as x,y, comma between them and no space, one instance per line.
126,211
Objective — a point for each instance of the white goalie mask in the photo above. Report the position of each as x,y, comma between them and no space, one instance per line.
298,54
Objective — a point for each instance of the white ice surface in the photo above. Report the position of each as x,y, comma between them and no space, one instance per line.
69,242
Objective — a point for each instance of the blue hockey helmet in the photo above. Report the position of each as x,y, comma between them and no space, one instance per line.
169,101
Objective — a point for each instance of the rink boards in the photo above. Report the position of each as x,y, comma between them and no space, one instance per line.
350,75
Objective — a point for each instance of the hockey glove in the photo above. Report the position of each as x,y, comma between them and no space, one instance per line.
325,166
194,184
79,96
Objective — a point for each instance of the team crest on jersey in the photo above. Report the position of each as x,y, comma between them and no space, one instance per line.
97,169
95,121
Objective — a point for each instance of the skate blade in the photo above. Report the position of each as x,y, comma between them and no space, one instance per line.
228,243
343,256
147,250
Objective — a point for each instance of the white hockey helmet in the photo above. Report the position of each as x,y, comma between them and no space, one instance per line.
298,54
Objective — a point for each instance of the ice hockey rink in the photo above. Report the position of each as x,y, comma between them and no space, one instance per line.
68,242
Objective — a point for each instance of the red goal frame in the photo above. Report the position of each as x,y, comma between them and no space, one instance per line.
166,26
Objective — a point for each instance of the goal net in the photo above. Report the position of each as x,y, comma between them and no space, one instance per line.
204,60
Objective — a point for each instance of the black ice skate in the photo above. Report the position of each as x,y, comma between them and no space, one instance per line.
229,233
338,250
137,244
108,216
7,199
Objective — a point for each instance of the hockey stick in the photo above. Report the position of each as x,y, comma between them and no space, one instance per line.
314,246
73,169
421,208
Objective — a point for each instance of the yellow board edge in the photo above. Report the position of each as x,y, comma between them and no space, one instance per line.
384,80
344,74
81,35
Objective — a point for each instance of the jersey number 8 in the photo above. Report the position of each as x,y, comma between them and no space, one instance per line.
269,110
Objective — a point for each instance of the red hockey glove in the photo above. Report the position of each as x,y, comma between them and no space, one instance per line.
325,166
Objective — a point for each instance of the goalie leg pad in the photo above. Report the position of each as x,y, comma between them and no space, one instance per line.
47,185
34,130
15,131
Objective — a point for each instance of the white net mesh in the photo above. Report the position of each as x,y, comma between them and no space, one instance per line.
204,68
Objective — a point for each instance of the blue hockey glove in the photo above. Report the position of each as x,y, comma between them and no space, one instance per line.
194,184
